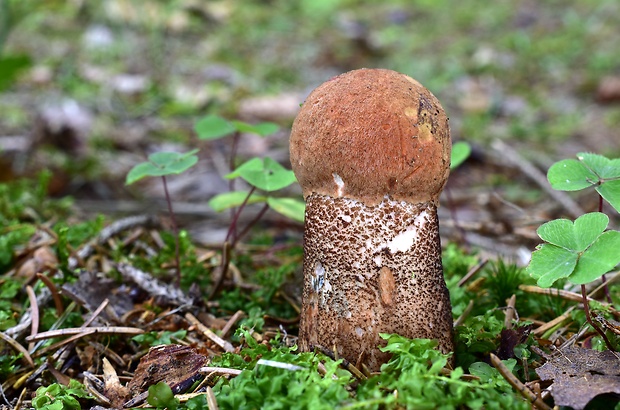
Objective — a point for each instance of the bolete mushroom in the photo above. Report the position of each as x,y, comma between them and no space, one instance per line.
371,151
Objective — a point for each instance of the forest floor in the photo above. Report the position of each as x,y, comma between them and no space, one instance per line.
88,264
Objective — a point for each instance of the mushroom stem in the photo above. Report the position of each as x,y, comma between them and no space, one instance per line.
371,270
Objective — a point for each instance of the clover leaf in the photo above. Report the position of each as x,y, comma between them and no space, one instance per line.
233,199
586,171
213,127
162,164
265,174
289,207
460,152
581,251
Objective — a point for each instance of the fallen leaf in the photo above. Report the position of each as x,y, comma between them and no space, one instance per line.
580,374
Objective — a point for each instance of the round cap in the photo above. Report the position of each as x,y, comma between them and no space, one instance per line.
370,133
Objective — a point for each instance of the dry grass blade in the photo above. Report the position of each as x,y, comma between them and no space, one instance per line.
459,321
564,294
220,370
211,400
107,330
516,383
15,345
231,322
513,157
55,296
227,346
472,272
34,314
553,323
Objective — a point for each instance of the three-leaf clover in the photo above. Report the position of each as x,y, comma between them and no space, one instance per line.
266,175
581,251
162,164
586,171
213,127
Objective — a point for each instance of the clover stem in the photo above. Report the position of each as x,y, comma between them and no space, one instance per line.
233,224
586,309
175,229
231,167
603,278
251,224
230,244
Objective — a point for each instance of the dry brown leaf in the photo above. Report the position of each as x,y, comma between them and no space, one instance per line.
178,366
580,374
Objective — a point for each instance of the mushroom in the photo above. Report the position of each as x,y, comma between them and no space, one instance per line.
371,151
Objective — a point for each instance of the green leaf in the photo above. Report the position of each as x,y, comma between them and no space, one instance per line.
610,191
575,236
550,263
571,175
604,167
483,370
289,207
581,252
265,174
598,259
213,127
588,170
460,152
161,396
162,163
228,200
263,129
10,67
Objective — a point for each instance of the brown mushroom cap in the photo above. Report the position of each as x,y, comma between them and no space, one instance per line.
370,133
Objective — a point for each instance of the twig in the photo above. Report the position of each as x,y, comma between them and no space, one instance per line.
153,286
586,308
472,272
516,383
345,363
512,156
510,312
108,232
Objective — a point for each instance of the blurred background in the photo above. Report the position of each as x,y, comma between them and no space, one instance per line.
89,89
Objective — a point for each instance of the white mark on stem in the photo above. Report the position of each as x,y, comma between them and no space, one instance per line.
339,183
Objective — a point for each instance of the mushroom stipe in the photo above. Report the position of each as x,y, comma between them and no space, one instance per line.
371,150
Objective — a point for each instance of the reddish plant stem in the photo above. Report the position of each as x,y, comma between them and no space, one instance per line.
586,308
233,224
251,224
231,168
175,229
603,278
